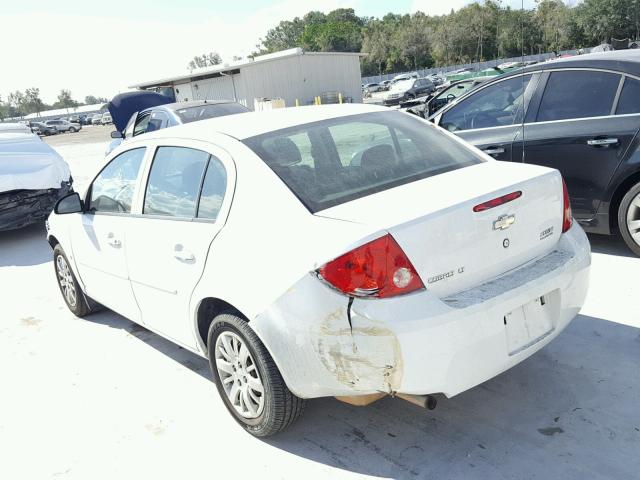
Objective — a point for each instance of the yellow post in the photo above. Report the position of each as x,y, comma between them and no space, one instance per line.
319,100
297,102
340,98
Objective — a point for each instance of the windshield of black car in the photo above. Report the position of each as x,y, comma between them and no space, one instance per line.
334,161
212,110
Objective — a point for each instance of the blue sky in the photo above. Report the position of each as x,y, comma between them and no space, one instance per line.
117,43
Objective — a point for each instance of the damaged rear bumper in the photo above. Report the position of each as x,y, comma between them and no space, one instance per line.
419,343
19,208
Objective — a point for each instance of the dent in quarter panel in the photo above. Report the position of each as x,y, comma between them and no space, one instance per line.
318,353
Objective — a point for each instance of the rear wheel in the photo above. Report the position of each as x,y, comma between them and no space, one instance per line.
72,294
72,129
248,379
629,219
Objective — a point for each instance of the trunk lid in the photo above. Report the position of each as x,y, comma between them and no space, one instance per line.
452,247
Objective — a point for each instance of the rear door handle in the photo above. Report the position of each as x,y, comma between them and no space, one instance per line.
493,150
599,142
183,255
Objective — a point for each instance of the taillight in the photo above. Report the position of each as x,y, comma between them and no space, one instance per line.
376,269
567,216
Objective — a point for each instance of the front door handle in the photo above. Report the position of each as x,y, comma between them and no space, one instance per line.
113,241
602,142
493,150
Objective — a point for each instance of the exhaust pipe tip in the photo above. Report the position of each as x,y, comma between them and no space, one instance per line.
425,401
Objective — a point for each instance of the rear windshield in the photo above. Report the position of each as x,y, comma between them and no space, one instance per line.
202,112
334,161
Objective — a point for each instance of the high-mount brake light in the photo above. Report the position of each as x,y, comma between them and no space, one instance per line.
496,202
378,269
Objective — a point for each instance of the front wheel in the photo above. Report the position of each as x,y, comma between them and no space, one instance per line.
69,287
629,219
72,129
248,379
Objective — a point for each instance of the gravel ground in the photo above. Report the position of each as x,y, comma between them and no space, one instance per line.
105,398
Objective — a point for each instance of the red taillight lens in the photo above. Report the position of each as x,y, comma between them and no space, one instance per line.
496,202
567,216
376,269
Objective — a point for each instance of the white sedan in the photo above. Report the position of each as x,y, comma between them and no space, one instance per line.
342,250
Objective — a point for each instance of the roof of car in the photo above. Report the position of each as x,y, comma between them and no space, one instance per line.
620,60
192,103
245,125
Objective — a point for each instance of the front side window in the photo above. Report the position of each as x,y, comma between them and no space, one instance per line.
358,155
629,101
578,94
174,182
113,188
497,105
141,124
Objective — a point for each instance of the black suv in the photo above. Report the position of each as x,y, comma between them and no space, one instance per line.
580,115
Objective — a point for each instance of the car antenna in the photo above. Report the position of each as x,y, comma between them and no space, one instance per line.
524,111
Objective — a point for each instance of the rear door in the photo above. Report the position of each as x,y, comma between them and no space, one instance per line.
573,127
491,117
183,207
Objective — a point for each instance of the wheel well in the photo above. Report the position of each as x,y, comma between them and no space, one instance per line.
53,241
208,310
620,192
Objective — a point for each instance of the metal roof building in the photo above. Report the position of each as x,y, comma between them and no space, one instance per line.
65,112
291,75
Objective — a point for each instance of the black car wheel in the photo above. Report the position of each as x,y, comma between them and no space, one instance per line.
72,294
72,129
248,379
629,219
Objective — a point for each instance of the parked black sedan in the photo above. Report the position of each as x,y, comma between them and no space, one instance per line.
580,115
43,129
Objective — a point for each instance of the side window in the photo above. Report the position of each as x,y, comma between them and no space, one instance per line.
141,124
213,188
629,101
174,182
494,106
578,94
112,190
352,139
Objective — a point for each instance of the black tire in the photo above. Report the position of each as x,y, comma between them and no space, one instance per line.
411,96
81,306
72,130
281,407
625,206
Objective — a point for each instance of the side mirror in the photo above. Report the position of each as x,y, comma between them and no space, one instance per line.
70,203
116,134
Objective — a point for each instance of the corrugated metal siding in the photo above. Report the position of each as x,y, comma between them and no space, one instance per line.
300,77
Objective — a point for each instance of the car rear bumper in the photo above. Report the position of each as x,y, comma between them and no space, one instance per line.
420,344
20,208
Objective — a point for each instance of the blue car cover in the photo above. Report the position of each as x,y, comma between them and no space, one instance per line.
123,105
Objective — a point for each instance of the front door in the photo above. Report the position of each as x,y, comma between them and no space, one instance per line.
99,236
180,218
575,130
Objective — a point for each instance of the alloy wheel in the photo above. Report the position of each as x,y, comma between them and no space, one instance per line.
65,279
239,375
633,219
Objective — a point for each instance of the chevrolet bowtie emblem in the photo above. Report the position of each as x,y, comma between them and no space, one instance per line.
503,222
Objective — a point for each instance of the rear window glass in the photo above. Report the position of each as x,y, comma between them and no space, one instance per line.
334,161
213,110
578,94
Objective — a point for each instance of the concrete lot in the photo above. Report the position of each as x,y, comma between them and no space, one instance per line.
105,398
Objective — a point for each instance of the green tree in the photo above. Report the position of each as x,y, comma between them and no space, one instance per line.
204,60
65,100
91,100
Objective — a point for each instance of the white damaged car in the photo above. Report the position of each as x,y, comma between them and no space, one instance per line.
424,268
33,177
